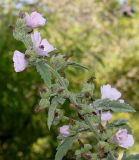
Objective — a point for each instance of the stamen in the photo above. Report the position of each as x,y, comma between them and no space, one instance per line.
41,47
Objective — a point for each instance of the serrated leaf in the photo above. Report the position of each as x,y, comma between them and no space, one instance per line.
115,106
44,72
27,41
20,23
117,123
64,147
51,114
133,157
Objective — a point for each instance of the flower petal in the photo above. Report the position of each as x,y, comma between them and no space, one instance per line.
129,142
108,92
20,63
105,116
47,46
34,20
36,39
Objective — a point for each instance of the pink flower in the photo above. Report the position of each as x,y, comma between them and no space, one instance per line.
123,139
20,63
105,116
34,20
42,47
64,131
110,93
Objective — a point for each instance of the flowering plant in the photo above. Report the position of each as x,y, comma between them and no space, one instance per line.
91,115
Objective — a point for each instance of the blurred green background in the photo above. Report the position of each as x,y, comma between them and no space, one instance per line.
98,35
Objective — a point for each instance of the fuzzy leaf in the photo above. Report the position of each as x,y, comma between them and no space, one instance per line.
51,114
115,106
27,41
61,100
64,147
44,72
117,123
52,108
133,157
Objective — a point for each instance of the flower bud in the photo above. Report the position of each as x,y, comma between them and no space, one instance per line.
105,116
64,130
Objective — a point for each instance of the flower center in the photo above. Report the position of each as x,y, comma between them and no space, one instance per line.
41,47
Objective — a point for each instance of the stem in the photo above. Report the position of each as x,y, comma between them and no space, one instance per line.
93,129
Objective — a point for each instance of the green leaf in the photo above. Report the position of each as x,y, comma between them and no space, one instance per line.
27,41
117,123
20,23
61,100
44,72
115,106
133,157
64,147
51,114
77,65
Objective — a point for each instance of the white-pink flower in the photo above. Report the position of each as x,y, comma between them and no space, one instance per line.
64,131
20,63
105,116
110,93
123,139
34,20
42,47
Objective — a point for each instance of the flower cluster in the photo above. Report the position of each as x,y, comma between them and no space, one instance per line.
92,115
40,47
121,138
107,92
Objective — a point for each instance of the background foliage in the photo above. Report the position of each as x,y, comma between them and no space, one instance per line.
93,32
